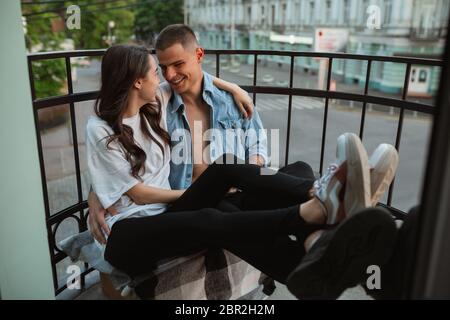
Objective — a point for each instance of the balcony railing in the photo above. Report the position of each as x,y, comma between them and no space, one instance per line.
54,220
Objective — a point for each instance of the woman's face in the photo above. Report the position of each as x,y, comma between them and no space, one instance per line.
150,83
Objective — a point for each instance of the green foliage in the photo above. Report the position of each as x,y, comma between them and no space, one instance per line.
142,17
50,75
152,16
94,24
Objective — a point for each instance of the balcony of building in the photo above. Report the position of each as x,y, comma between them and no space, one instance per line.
308,119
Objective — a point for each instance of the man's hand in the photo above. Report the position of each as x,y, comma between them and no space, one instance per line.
96,219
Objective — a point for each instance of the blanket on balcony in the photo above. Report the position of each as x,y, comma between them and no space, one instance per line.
207,275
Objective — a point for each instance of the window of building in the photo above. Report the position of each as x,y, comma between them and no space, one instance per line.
387,12
413,75
273,15
365,5
283,13
311,12
422,76
249,14
263,15
346,11
327,18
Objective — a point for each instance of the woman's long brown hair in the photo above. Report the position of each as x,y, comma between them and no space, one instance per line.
122,65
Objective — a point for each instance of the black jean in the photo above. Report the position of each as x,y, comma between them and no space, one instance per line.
260,237
301,179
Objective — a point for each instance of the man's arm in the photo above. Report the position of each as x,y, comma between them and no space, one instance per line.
96,220
256,141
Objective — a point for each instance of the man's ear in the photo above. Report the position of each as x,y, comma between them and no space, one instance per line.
200,54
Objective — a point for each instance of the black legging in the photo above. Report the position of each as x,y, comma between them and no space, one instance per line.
261,238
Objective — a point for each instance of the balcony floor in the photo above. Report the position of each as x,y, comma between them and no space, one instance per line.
281,293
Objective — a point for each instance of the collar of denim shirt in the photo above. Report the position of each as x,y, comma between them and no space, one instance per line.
207,91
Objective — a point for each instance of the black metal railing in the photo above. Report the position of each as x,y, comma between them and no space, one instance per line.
54,220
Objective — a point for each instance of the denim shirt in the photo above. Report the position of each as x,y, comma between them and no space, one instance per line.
230,133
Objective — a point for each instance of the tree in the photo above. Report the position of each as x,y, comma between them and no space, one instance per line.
46,30
152,16
49,75
95,19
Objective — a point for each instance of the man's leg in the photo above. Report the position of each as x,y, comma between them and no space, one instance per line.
299,169
339,258
303,179
395,273
211,187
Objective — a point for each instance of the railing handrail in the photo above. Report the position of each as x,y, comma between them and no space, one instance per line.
55,219
335,55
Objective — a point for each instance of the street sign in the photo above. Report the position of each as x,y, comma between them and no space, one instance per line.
330,39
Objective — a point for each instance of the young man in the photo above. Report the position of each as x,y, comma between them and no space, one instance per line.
196,106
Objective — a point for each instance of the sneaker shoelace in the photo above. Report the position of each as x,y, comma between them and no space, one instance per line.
321,184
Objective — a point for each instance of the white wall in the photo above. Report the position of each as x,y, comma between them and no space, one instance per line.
25,271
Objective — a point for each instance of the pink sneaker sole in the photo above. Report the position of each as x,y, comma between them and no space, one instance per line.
357,185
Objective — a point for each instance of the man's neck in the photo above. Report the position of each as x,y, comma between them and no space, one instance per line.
194,95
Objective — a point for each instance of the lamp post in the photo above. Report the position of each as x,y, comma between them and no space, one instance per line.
111,38
232,29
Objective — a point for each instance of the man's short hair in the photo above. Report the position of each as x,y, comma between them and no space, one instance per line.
176,33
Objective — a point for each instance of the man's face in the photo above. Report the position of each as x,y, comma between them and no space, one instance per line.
181,66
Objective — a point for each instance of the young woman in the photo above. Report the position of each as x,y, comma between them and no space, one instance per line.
128,160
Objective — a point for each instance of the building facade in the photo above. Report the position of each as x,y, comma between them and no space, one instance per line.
376,27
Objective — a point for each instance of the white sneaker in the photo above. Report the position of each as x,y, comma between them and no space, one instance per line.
383,165
345,188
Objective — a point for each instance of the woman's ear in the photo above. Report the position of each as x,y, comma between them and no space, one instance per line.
138,84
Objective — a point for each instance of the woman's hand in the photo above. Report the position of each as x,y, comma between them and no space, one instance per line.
243,101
